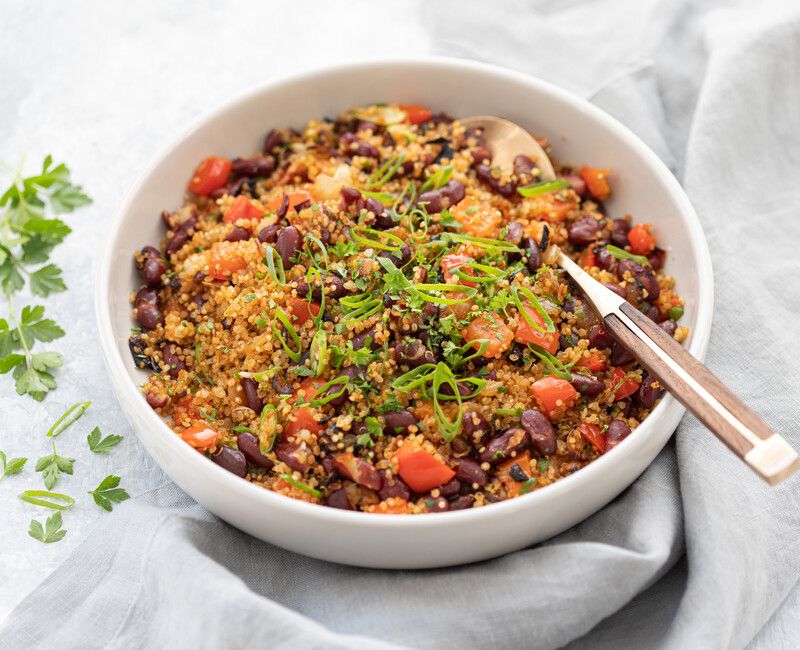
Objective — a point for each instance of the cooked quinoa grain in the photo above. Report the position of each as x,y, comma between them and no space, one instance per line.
366,315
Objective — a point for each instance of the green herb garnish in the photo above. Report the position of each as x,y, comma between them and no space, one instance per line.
51,467
301,486
11,467
371,238
52,531
622,254
101,446
294,355
545,187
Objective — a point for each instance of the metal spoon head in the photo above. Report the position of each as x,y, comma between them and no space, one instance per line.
507,140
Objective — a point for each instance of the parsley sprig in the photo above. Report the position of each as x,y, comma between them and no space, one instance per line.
28,235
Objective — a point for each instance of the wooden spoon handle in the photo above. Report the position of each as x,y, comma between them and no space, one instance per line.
692,384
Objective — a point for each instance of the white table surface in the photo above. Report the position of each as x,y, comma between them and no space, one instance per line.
104,86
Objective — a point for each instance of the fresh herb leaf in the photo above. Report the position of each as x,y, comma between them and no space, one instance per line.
390,405
51,532
101,445
10,467
108,493
51,467
46,280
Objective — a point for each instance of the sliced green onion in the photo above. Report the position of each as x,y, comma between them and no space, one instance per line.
528,485
294,355
320,396
479,384
318,352
385,172
414,378
483,345
240,428
267,428
438,179
429,292
622,254
400,207
385,198
39,498
442,376
358,233
533,301
544,187
322,249
553,363
359,307
313,274
511,412
69,416
483,242
276,271
490,273
675,313
301,486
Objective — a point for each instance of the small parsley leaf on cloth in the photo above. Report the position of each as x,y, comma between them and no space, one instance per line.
51,467
51,532
101,445
108,493
9,467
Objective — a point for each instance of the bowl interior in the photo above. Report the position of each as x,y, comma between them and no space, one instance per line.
580,133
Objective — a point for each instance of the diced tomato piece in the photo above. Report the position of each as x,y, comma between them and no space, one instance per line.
224,262
553,394
555,210
491,327
185,409
358,470
200,436
210,175
301,311
420,469
594,361
308,387
625,387
295,199
526,333
642,242
416,114
591,433
511,485
596,182
587,259
302,418
450,262
242,208
476,218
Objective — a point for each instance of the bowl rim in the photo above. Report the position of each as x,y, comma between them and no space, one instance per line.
295,507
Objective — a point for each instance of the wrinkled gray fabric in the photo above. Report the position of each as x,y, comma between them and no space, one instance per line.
696,553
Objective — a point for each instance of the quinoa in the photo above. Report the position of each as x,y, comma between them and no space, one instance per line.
365,315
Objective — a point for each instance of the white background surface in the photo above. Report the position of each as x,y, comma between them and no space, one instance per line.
103,86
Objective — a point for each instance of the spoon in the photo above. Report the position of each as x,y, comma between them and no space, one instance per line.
689,381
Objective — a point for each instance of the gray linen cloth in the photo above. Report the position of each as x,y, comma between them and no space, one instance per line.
696,553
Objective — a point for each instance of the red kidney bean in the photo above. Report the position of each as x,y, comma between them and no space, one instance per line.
669,326
230,459
238,233
514,232
617,432
248,445
523,166
283,207
180,235
280,385
605,260
620,355
576,183
359,495
251,398
359,340
619,238
412,353
599,338
647,280
651,311
656,258
502,447
166,217
565,342
291,454
137,347
338,499
358,470
475,427
470,472
628,266
453,191
398,258
615,288
352,146
506,190
583,231
340,400
366,125
349,196
394,487
481,156
462,503
540,431
439,504
288,245
256,166
398,423
273,140
587,384
269,234
646,396
169,352
152,266
146,309
531,250
433,200
156,400
451,488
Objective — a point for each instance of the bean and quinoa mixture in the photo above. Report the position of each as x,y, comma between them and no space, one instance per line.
366,315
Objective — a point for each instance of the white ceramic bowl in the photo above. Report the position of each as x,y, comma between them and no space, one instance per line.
580,132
